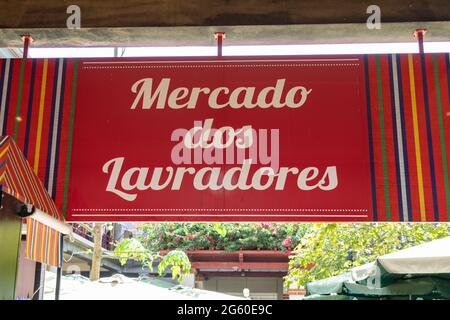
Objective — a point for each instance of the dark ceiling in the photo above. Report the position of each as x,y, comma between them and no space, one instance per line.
155,13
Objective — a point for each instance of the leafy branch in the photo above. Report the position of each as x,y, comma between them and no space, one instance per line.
327,250
132,249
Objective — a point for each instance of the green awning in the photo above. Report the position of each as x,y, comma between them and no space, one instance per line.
421,271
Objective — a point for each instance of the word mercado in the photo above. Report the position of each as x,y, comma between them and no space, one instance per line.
217,98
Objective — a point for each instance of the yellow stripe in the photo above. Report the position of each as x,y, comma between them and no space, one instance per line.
48,248
36,229
27,247
55,249
416,139
40,117
25,184
43,233
51,248
4,151
12,185
30,184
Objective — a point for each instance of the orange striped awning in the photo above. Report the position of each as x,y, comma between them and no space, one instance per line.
43,244
18,179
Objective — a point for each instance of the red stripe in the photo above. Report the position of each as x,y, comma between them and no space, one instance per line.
443,79
440,187
35,112
14,90
445,101
23,104
423,139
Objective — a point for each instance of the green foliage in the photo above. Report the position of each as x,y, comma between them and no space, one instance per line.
180,237
175,260
131,249
222,236
329,249
178,262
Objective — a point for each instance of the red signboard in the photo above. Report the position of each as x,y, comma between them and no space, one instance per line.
238,139
377,125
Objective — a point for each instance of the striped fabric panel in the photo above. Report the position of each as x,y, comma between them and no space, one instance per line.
43,244
19,180
410,110
37,102
407,99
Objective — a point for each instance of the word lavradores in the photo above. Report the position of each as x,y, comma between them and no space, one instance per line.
213,147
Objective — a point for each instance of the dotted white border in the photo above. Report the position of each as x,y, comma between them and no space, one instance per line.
225,215
223,66
214,64
212,209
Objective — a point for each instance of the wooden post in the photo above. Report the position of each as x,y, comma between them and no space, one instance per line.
97,254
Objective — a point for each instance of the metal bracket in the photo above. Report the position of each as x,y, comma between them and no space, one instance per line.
219,36
419,35
25,210
27,40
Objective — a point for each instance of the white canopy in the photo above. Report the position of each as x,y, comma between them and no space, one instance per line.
119,287
428,258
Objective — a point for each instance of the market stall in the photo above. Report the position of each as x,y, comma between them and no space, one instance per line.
25,200
418,272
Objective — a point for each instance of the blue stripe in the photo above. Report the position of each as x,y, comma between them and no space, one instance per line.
8,96
429,137
58,137
30,108
369,126
52,116
396,153
405,146
2,78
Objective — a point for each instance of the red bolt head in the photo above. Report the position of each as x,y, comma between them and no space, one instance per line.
27,36
418,31
221,34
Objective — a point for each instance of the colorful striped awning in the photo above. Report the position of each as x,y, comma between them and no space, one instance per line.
43,244
18,179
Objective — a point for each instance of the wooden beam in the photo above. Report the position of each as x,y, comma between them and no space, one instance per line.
168,13
177,23
237,266
236,35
